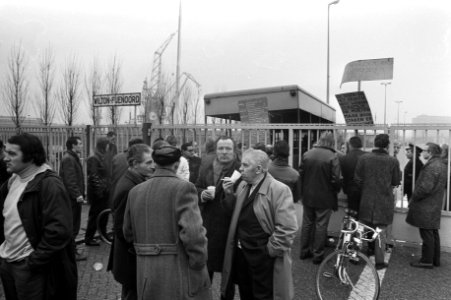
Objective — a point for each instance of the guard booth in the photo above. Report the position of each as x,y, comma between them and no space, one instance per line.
274,105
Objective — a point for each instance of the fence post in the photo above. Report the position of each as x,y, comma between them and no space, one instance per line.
88,140
146,134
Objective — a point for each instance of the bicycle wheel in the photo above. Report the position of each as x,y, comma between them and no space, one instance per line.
105,226
341,277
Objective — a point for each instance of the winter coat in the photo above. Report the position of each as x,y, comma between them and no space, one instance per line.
281,171
320,177
46,215
71,171
408,175
348,163
376,174
122,261
274,209
425,208
163,220
216,216
98,180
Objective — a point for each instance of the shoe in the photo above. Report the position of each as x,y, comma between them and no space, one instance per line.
436,264
305,256
419,264
381,266
80,256
92,242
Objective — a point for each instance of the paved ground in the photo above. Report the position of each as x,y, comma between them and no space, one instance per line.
399,281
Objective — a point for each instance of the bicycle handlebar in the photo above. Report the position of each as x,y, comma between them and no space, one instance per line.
357,226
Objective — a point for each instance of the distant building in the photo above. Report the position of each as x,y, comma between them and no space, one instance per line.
425,119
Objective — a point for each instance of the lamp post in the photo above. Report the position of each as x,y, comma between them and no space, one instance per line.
385,101
398,102
328,52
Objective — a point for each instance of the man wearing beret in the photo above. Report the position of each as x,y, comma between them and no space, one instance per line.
162,219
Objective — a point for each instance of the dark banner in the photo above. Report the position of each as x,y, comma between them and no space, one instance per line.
355,108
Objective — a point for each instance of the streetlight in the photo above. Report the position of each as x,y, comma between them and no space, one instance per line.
328,13
398,102
385,101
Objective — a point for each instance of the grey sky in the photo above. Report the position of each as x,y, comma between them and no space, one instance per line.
230,45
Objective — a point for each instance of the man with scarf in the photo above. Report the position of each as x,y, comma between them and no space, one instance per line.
215,213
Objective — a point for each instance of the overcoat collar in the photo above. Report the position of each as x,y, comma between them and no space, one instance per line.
134,177
163,172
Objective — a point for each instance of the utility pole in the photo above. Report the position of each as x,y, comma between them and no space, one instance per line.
179,46
385,101
328,54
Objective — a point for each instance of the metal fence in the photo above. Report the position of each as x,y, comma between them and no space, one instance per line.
300,137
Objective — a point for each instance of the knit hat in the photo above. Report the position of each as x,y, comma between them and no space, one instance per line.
166,155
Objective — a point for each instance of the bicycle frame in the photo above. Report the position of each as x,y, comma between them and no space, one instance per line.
352,235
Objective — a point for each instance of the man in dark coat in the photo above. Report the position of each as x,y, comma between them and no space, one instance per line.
411,152
71,172
348,163
193,161
122,260
163,221
37,246
281,171
98,189
4,175
320,177
376,174
425,207
215,215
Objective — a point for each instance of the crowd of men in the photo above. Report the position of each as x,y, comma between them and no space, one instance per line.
180,218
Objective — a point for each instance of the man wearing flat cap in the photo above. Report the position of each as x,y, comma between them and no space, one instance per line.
162,219
414,165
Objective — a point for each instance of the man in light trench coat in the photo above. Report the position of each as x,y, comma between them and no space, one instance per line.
262,230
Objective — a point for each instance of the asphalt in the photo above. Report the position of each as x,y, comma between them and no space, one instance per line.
398,281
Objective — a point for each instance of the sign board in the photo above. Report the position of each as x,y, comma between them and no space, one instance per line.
355,108
369,69
124,99
254,110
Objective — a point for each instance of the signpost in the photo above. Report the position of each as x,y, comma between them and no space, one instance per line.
124,99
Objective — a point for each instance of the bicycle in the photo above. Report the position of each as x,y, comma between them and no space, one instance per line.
105,225
347,273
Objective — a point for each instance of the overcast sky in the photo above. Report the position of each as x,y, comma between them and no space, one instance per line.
243,44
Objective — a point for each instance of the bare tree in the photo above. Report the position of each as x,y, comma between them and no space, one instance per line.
186,99
114,82
69,91
93,86
46,80
16,85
